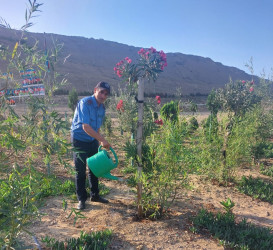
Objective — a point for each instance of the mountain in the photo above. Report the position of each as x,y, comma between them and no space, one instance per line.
89,61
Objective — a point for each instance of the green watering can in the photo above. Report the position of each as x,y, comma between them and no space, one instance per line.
101,164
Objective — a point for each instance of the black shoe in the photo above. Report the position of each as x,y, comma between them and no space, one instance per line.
99,199
81,205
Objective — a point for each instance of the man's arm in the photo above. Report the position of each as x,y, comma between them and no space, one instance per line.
88,130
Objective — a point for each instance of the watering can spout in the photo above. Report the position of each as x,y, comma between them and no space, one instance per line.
111,177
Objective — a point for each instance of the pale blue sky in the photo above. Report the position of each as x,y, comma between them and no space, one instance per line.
227,31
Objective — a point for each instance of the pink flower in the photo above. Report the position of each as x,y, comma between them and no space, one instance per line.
162,54
120,106
153,50
158,98
119,73
252,82
251,89
141,51
159,122
115,68
243,81
128,59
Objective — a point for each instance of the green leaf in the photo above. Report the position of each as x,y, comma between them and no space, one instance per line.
14,50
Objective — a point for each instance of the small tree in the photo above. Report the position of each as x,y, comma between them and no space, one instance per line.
150,63
72,99
32,138
170,111
213,102
193,107
238,97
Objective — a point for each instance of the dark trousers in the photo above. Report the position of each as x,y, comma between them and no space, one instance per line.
84,151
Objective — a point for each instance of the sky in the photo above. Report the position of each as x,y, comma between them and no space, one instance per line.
232,32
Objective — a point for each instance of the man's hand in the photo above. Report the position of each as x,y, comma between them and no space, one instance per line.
105,144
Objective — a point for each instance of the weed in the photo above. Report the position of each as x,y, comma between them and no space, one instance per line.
256,188
228,205
267,170
242,235
96,240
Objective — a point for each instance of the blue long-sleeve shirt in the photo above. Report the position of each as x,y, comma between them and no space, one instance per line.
87,112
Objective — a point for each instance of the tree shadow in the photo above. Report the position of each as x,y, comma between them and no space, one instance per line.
255,219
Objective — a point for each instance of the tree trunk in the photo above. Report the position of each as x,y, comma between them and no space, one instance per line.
139,142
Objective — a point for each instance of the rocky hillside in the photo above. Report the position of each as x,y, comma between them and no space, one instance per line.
92,60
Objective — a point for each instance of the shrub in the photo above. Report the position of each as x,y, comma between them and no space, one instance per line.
29,140
193,124
241,235
170,111
193,107
232,234
211,127
61,92
238,97
72,99
219,154
267,170
96,240
18,207
214,103
263,149
168,169
256,188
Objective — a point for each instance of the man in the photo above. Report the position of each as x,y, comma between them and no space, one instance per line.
85,133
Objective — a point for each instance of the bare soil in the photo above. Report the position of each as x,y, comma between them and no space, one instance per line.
170,232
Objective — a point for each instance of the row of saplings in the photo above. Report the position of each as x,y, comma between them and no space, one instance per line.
235,135
172,149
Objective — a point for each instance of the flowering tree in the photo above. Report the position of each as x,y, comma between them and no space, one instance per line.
150,63
238,97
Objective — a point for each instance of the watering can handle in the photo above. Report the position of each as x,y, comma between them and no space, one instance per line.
114,153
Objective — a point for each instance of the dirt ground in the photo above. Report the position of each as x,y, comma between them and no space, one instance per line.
171,232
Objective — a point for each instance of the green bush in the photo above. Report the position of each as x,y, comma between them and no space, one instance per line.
167,170
238,97
266,170
193,124
256,188
214,103
18,207
61,92
232,234
263,149
170,111
95,241
72,99
220,151
211,127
